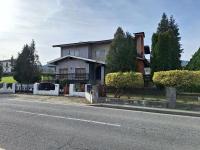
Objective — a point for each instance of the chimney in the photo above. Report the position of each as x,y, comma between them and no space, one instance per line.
140,43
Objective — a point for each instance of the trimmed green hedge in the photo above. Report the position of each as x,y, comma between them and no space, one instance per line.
121,80
181,79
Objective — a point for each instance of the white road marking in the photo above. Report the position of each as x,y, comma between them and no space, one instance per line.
70,118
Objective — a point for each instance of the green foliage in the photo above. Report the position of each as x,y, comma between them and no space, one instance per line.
194,63
1,71
122,81
122,53
27,67
166,47
182,79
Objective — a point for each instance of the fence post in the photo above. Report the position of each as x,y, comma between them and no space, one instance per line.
13,87
35,88
171,96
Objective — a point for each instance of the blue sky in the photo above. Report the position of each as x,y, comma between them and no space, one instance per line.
51,22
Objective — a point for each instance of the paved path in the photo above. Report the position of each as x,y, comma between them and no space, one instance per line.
28,125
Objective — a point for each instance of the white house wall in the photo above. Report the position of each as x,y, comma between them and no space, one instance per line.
71,64
6,66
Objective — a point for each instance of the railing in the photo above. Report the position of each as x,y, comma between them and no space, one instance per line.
73,76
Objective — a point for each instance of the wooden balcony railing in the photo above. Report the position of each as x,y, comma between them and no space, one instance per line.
73,76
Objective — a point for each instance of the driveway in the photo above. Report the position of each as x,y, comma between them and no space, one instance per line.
28,125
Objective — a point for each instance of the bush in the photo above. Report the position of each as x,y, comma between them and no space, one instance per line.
124,80
181,79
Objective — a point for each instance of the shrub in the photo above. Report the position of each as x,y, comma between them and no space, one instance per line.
181,79
124,80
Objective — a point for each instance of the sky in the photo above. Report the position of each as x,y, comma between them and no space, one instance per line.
51,22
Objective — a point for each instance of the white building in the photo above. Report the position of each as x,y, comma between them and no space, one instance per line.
7,65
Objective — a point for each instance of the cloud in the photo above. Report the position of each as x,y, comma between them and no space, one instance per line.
63,21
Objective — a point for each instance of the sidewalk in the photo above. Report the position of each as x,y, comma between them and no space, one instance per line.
150,109
46,99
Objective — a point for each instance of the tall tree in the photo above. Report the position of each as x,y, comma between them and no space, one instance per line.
163,26
27,69
166,47
12,63
122,53
1,71
194,63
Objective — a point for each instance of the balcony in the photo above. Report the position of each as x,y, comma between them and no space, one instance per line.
73,76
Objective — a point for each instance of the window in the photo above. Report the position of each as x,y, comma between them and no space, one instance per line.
63,73
77,53
100,53
80,73
80,70
66,52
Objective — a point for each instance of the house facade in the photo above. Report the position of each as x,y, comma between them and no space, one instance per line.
7,66
85,62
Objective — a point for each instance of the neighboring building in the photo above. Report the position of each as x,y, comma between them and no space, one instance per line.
84,62
7,66
48,69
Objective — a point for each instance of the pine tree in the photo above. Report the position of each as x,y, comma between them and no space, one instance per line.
163,26
194,63
122,53
26,69
166,47
1,71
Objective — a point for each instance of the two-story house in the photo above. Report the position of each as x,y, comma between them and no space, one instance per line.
85,62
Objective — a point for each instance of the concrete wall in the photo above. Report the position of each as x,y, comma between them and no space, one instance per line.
46,92
90,95
71,65
72,91
4,89
79,51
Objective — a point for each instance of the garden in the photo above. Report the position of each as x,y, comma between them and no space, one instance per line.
128,88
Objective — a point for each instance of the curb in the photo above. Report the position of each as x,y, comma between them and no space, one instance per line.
149,109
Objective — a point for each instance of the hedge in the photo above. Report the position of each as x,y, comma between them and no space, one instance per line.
182,79
121,80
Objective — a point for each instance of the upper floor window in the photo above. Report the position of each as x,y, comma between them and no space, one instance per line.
100,53
77,53
66,52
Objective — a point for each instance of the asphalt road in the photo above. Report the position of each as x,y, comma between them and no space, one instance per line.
43,126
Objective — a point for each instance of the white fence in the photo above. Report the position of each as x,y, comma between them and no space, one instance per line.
27,88
6,88
42,91
90,94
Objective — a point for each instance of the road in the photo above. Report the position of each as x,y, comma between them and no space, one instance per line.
28,125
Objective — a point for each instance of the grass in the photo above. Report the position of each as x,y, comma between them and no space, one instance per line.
183,99
8,79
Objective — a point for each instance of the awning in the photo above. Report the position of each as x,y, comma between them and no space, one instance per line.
75,57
